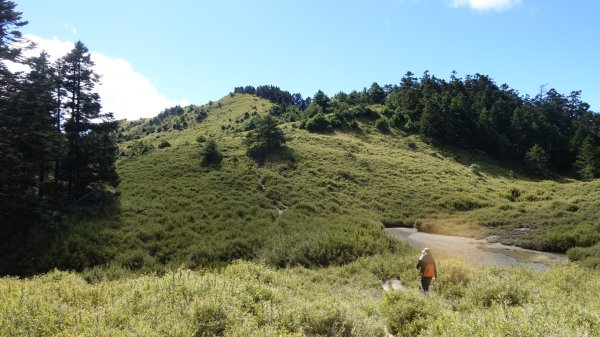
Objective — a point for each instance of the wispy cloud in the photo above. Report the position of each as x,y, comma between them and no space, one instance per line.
486,5
124,91
70,27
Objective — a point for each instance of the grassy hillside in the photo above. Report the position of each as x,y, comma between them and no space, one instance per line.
165,260
325,201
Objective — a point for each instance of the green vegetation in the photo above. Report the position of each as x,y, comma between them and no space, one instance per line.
249,299
58,149
210,153
263,213
323,201
164,144
265,139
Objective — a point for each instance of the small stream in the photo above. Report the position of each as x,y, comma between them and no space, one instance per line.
478,251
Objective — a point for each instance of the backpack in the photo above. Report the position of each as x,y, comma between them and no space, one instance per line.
428,270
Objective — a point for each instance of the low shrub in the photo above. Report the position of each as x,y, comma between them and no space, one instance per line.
318,123
321,319
210,318
452,282
464,205
476,169
561,239
164,144
211,154
586,256
513,194
410,144
487,290
406,313
398,120
139,148
383,125
391,223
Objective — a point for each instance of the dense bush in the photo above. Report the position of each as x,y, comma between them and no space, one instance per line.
464,204
486,291
210,318
210,154
383,125
407,313
394,222
164,144
322,319
265,138
318,123
561,240
139,148
587,256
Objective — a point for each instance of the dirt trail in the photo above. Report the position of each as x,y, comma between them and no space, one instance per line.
478,251
279,206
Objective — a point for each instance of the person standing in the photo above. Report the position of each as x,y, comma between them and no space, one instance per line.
426,266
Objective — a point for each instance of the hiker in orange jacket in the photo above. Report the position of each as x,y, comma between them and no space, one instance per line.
426,266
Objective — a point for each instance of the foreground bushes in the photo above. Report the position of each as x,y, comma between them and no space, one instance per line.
498,302
407,313
243,299
248,299
586,256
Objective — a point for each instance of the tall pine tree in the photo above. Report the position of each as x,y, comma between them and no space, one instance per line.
91,149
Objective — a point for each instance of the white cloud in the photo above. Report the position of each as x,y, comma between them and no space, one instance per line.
486,5
125,92
70,27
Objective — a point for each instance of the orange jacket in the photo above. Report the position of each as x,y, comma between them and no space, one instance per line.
426,265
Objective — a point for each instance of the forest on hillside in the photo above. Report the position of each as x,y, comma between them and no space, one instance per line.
59,150
551,131
57,147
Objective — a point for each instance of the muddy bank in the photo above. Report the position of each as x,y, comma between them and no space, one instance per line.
478,251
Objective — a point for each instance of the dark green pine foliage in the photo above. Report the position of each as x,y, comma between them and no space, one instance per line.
265,139
321,100
91,149
10,22
537,159
38,141
211,154
588,160
473,113
376,94
17,179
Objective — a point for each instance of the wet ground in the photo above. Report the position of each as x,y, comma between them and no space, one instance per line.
478,251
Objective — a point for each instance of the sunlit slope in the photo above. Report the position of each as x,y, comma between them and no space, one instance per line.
327,203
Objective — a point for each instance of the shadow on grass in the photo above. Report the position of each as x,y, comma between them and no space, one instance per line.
498,168
283,155
55,239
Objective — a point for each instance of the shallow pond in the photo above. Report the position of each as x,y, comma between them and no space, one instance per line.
478,251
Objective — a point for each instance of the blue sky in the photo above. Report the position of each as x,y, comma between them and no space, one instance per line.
195,51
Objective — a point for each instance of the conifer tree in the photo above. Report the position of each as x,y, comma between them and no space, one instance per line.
40,143
537,159
12,188
90,158
588,160
265,138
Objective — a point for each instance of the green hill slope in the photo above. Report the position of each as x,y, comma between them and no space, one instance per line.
325,203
